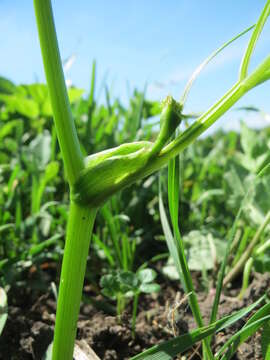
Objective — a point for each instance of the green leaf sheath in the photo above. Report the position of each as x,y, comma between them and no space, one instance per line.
202,66
112,170
79,230
109,171
66,132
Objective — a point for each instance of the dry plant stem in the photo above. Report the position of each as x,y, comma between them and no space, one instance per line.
241,263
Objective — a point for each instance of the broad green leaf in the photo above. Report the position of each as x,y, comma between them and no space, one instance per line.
51,171
110,285
6,86
248,140
7,128
149,288
39,150
199,250
20,104
128,280
38,92
74,94
146,275
169,269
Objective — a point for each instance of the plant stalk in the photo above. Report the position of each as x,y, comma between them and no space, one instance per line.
65,128
79,230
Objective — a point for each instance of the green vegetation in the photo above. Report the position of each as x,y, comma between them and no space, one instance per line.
51,189
120,284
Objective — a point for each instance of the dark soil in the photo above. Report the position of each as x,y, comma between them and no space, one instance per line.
29,329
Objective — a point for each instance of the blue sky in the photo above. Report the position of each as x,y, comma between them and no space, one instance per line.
138,42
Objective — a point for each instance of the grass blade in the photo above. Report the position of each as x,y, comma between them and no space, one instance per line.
168,349
105,248
240,337
38,248
110,221
173,198
169,237
221,273
265,340
261,313
91,101
200,68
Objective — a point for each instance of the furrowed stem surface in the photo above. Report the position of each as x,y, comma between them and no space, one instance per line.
81,218
65,128
79,230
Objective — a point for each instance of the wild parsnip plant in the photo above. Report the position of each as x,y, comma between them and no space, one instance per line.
92,180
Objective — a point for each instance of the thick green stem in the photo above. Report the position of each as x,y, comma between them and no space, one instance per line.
79,230
109,172
65,128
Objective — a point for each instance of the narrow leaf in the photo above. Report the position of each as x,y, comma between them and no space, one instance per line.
168,349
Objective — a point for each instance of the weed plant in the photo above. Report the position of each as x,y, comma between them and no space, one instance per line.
96,180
